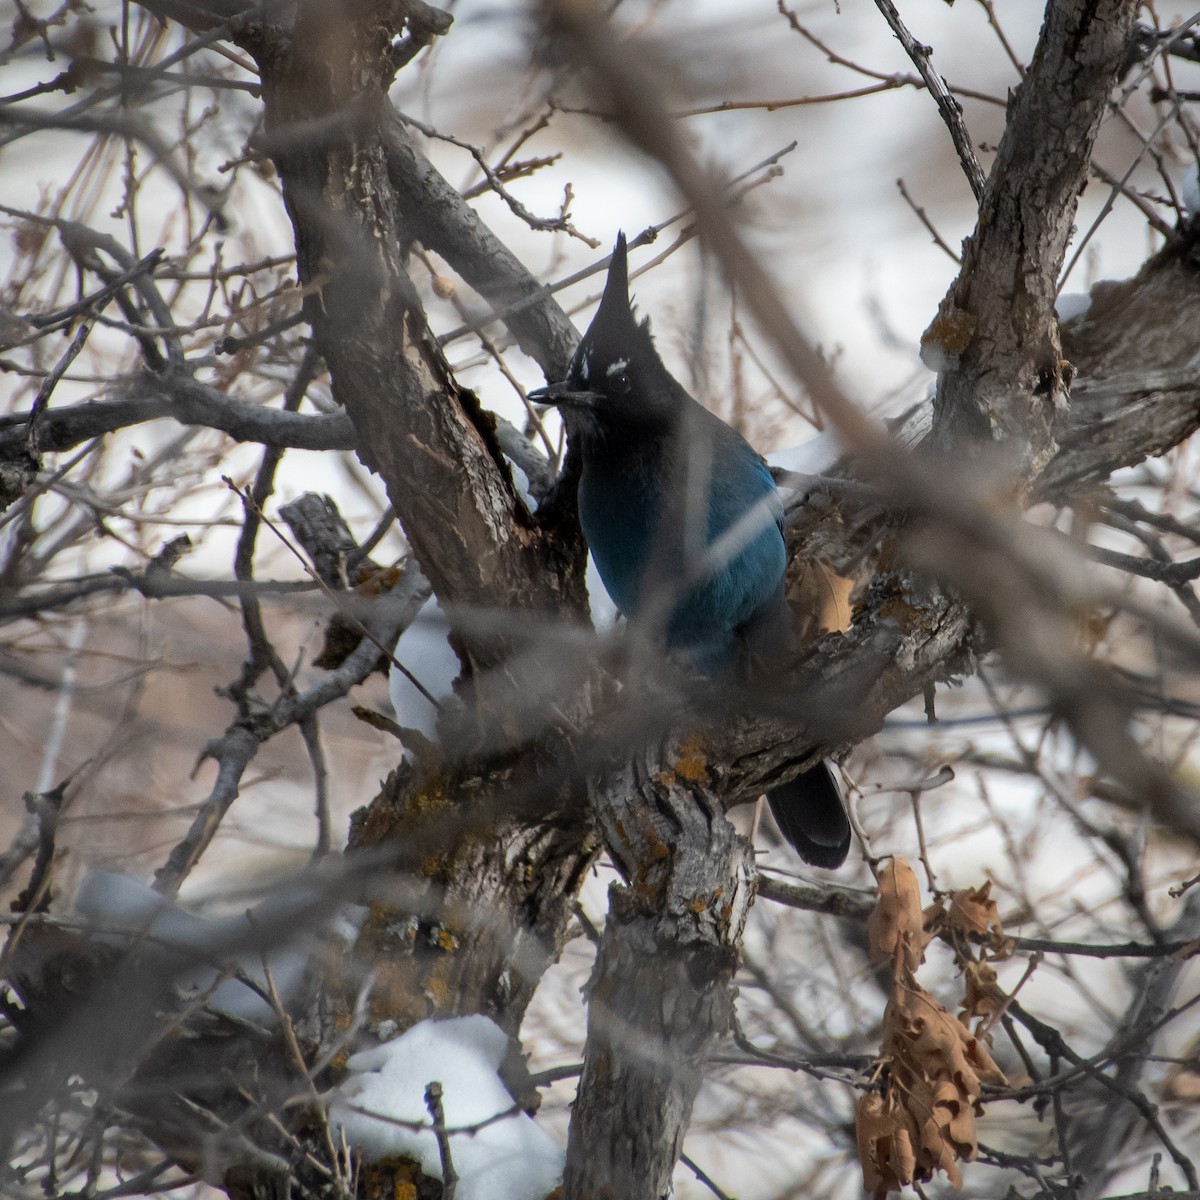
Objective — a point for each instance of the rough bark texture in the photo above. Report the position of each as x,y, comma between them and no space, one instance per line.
661,992
431,442
996,333
1138,359
495,884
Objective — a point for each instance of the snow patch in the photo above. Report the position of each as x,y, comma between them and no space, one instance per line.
1190,190
1072,304
127,912
604,611
424,649
510,1156
814,457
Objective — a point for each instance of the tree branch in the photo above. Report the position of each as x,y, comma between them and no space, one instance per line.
995,338
661,991
190,403
948,106
429,439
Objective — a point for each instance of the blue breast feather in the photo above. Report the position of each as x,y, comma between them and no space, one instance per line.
637,541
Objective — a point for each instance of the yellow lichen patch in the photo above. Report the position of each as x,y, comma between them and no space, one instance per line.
439,989
438,992
386,932
341,1017
443,867
948,335
391,1179
431,796
692,765
433,866
446,940
902,611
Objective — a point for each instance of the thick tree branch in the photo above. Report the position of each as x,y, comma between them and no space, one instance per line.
428,438
188,402
1137,357
995,338
662,990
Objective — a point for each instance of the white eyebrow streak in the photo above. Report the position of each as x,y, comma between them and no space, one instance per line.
619,365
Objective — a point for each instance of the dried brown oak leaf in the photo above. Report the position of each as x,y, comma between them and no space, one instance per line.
935,1068
935,1043
885,1145
974,912
896,927
982,997
818,600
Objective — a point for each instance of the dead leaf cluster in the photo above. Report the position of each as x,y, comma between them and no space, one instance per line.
922,1120
973,914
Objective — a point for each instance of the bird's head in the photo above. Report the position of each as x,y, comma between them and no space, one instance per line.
616,379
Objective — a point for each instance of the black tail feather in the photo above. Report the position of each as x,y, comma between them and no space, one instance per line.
810,815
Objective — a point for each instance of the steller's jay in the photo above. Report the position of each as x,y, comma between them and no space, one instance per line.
685,523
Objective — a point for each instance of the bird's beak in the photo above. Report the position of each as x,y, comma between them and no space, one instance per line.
562,395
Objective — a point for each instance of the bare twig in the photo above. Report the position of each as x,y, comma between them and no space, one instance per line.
433,1102
948,106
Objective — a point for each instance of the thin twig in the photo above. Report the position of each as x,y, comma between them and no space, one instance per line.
433,1102
948,106
923,217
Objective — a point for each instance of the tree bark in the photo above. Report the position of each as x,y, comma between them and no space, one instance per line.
431,442
995,338
662,991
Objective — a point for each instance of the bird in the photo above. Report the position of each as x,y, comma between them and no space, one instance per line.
685,524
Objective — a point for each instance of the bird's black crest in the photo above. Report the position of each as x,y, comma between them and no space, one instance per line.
615,328
616,289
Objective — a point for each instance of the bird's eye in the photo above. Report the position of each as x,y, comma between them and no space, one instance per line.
618,381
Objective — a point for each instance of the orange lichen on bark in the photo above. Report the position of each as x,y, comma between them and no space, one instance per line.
391,1179
438,989
691,766
948,335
